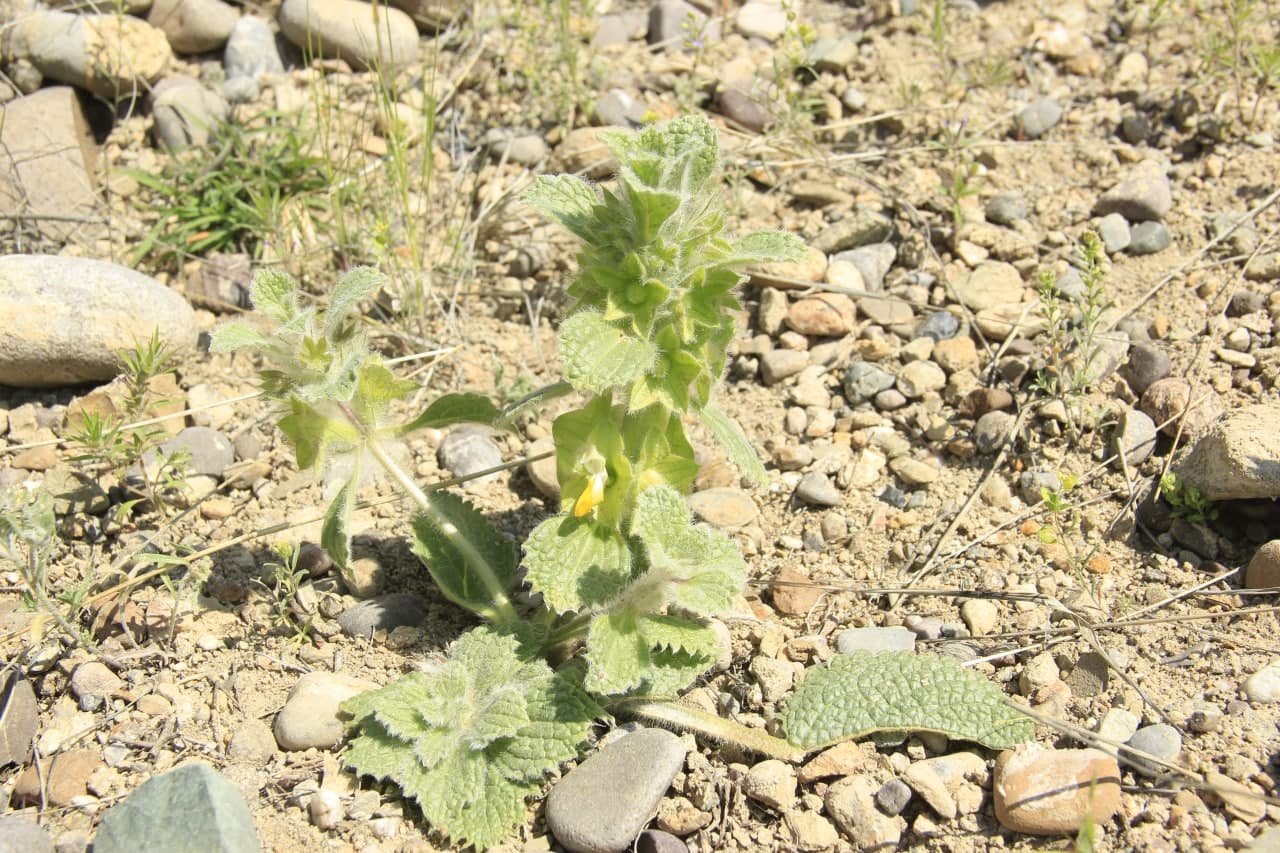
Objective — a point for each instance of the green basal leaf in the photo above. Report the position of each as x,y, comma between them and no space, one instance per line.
455,409
735,444
670,672
702,567
470,561
576,563
359,283
568,199
617,654
335,533
510,723
230,337
274,293
679,634
858,694
315,435
598,356
766,247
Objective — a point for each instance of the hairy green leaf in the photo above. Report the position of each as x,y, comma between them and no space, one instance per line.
275,294
598,356
676,633
735,444
765,247
702,567
510,722
858,694
335,533
315,435
617,653
470,561
568,199
230,337
455,409
376,387
359,283
576,563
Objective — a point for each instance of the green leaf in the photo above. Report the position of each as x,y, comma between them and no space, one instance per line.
735,444
275,294
455,409
359,283
463,552
376,387
862,693
568,199
335,532
230,337
702,567
314,435
766,247
576,563
676,633
670,672
617,654
598,356
510,722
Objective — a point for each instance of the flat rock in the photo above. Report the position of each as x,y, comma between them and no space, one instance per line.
790,275
309,718
111,56
1161,741
469,449
69,318
190,808
851,804
1238,456
1142,195
602,804
771,783
852,640
384,613
185,113
1039,117
873,262
193,26
1134,437
92,683
1044,791
763,19
816,489
47,162
724,507
65,776
885,310
824,315
366,36
19,719
862,227
990,284
18,834
778,364
793,592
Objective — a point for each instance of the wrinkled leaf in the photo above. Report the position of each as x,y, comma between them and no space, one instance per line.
735,445
576,563
455,409
335,533
274,294
568,199
598,356
360,283
465,555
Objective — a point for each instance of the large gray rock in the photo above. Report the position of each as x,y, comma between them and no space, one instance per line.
1238,456
366,36
191,808
47,161
66,320
193,26
1144,194
112,56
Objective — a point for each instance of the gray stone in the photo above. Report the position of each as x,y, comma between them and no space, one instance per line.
724,507
620,108
363,35
992,430
873,262
778,364
19,718
620,28
1147,365
676,25
1135,128
1109,352
18,834
1031,482
657,841
93,683
893,796
309,718
252,743
384,613
433,15
1118,725
1264,685
251,52
468,449
1143,195
602,804
1134,437
69,318
112,56
186,114
762,19
193,26
190,808
1006,208
1147,238
1089,677
864,380
1114,231
1195,537
1160,741
889,400
875,640
743,109
209,451
47,164
816,489
1243,239
1039,117
834,55
885,310
861,227
939,325
1238,456
991,284
526,149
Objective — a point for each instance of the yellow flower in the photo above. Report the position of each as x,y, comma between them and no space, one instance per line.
592,495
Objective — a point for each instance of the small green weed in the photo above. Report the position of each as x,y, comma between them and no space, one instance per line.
27,539
961,170
1186,500
288,608
1240,45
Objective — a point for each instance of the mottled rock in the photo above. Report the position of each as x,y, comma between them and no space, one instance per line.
724,507
65,777
772,783
1178,407
990,284
186,114
385,613
824,315
1044,791
816,489
469,449
793,592
851,804
309,718
193,26
1142,195
1236,457
363,35
112,56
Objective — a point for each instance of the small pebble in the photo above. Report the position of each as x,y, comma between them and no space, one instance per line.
1161,741
1264,685
893,796
1147,238
980,615
851,640
816,489
772,783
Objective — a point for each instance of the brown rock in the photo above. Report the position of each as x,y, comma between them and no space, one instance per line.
1167,399
792,596
955,354
789,275
1044,791
843,759
66,776
1264,569
824,315
1239,801
1238,456
583,152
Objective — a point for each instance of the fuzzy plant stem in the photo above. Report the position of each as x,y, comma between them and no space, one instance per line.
672,715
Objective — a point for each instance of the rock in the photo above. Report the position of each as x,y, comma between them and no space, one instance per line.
1142,195
364,35
65,777
1263,571
186,114
893,796
1044,791
111,56
674,23
619,108
824,315
1264,685
68,318
793,592
834,56
603,803
779,364
980,615
209,453
843,759
93,683
19,718
885,310
1177,407
309,718
872,262
1116,725
1205,719
863,380
1021,319
789,275
810,831
763,19
989,285
743,109
1038,118
818,194
583,152
914,472
20,835
469,449
1114,231
190,808
923,778
252,743
543,471
956,354
525,149
725,507
1236,457
433,15
771,783
1147,238
193,26
657,841
1006,208
850,802
1089,677
919,378
816,489
385,613
251,52
1160,741
861,227
1134,437
620,28
1244,803
48,159
1147,365
851,640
